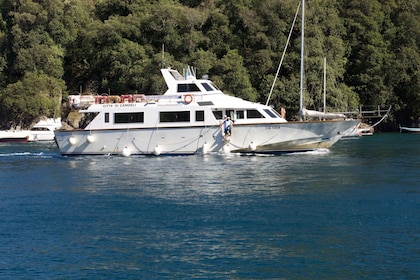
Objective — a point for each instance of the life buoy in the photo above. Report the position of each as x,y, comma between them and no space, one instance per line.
188,98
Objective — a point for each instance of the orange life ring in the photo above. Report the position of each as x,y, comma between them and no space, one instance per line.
188,98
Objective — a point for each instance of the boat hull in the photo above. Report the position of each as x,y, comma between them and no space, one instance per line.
410,130
13,136
14,140
41,136
42,131
250,138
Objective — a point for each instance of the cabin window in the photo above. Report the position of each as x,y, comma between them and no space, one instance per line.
137,117
199,116
88,117
106,117
270,113
230,113
253,114
240,114
39,129
176,75
218,115
207,87
188,88
180,116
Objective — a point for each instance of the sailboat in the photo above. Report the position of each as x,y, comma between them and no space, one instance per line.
302,110
317,114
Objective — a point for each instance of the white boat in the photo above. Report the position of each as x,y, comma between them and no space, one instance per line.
366,131
188,119
44,130
41,131
405,129
13,136
358,131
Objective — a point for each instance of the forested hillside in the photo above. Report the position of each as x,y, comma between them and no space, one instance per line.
52,48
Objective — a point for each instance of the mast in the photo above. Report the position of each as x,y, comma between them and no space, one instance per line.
325,85
302,53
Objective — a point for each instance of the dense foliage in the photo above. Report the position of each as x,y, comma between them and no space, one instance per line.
52,48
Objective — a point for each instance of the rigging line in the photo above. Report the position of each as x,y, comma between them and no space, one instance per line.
282,57
386,115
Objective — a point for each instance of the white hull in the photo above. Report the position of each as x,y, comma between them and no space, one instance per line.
410,129
13,136
261,138
358,132
42,131
41,136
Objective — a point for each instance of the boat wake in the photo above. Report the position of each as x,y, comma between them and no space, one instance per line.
315,152
30,154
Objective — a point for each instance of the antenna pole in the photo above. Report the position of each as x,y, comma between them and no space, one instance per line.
163,56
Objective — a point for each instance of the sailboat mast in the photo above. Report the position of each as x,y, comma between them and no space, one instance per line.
325,84
302,53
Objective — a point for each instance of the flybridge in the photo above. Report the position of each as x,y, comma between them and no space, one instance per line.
180,87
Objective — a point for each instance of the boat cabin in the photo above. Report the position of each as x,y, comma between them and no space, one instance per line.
187,102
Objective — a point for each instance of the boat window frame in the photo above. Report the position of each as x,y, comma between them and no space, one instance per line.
199,116
37,128
174,116
240,114
87,119
256,116
188,87
218,114
128,117
207,86
271,113
230,113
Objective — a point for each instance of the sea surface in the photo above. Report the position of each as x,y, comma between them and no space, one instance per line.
351,212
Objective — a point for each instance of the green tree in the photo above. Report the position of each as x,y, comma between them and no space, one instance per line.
3,49
99,45
42,98
176,26
369,55
34,49
217,33
125,71
233,76
325,32
406,66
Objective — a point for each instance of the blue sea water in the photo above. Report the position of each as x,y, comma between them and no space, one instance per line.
351,212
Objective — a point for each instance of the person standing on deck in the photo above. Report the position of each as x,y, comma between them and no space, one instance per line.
227,125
